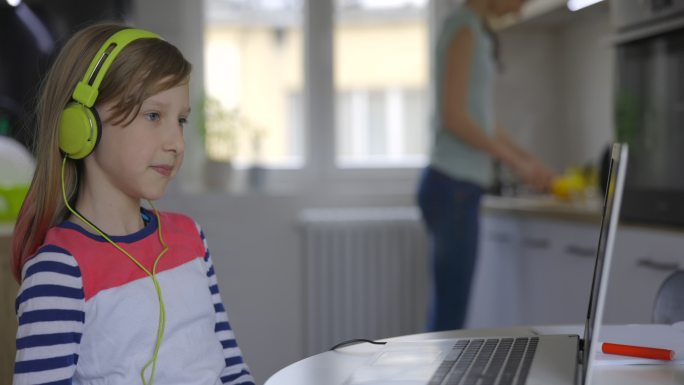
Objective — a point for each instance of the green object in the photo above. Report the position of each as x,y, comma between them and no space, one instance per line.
11,199
628,117
4,126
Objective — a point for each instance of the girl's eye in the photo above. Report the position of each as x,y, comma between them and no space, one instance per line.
152,116
183,121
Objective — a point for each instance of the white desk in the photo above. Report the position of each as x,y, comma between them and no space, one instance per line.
334,367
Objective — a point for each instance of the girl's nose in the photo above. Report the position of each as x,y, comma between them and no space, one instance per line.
175,141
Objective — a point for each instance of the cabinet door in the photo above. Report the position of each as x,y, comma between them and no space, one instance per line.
642,260
557,261
532,270
496,284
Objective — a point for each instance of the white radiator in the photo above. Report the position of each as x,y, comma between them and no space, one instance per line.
366,274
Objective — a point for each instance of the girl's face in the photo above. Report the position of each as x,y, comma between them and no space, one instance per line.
141,158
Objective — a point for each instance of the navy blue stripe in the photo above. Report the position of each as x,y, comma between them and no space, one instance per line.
52,249
150,228
60,382
213,289
48,291
45,364
48,340
202,234
206,256
221,326
210,272
229,344
245,383
218,307
51,315
233,377
53,267
237,360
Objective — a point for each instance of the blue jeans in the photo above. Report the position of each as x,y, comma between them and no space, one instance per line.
450,210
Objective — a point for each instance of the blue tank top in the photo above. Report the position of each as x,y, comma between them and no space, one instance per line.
450,154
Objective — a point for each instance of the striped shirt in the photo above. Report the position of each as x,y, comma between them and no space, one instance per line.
89,315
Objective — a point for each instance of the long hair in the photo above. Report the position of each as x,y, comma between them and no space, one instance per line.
143,68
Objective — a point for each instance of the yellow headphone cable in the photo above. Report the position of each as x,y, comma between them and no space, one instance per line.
151,274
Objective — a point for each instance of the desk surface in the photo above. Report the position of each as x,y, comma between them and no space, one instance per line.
333,368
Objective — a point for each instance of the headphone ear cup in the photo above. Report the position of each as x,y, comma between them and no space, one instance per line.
79,130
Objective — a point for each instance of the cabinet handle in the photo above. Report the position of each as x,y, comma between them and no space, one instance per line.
657,265
501,237
579,251
536,243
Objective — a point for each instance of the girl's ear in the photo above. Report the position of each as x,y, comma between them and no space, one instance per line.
79,130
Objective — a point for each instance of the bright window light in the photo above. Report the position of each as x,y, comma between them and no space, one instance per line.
14,3
576,5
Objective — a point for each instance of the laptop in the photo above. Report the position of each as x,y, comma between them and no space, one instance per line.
523,360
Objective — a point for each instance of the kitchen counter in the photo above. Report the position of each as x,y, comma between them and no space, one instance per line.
546,206
587,210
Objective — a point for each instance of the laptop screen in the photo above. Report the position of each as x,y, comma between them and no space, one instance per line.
609,223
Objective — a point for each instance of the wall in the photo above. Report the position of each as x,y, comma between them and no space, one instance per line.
555,91
588,66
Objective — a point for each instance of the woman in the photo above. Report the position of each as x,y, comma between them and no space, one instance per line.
467,141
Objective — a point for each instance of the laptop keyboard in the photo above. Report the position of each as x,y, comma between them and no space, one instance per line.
495,361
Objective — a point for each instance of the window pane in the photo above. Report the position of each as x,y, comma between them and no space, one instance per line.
253,80
381,79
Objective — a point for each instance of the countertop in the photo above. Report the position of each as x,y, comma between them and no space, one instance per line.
547,206
587,210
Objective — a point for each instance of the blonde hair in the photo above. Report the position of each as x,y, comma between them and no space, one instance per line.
144,68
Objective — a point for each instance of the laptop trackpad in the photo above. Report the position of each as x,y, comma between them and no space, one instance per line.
401,363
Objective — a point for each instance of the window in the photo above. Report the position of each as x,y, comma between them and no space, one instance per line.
253,81
255,102
381,128
381,67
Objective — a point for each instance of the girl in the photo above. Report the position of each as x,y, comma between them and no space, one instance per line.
111,292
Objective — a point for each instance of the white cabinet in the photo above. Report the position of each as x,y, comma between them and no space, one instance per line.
531,270
557,263
495,292
642,259
535,269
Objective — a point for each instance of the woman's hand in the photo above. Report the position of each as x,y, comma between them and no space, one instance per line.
534,173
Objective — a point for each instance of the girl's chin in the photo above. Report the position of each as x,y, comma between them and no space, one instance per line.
155,194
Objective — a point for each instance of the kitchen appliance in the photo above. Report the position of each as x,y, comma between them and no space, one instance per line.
649,106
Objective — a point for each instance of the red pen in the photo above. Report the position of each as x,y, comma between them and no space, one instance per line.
638,351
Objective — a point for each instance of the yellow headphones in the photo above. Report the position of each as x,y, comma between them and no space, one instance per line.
79,125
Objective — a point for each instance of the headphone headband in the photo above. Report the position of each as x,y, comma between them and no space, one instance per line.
79,124
87,89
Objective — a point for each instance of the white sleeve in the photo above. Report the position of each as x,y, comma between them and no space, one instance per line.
50,310
236,370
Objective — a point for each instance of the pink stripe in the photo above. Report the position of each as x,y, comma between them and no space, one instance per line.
104,267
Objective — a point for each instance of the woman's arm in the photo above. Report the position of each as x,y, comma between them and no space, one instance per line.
458,121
